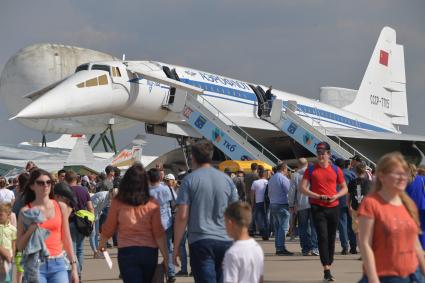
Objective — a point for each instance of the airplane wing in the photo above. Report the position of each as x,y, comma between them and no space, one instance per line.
36,94
167,81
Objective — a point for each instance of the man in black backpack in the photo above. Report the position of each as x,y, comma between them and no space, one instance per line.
83,203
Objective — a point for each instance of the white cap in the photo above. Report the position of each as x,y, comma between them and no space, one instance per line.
169,177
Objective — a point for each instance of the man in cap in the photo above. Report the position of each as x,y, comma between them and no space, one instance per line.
322,178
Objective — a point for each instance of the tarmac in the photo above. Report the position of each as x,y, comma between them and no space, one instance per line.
277,269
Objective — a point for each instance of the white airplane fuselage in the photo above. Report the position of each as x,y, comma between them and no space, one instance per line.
89,92
233,97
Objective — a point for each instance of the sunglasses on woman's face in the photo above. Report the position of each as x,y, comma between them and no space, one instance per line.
43,183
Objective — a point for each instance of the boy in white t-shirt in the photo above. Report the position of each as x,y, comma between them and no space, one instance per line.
244,261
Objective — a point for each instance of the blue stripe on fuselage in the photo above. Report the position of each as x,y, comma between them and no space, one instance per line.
329,117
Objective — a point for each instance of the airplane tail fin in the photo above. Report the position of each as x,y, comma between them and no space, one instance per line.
382,93
81,153
128,157
65,141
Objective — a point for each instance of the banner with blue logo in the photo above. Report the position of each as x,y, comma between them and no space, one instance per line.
302,136
218,137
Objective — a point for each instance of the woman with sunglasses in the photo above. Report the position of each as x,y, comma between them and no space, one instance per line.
389,227
38,193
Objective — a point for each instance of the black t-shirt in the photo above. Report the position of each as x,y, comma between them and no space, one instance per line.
358,188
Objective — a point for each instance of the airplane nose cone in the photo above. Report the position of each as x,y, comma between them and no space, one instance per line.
51,105
84,93
32,111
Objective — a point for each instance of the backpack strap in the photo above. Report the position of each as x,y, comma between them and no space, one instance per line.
172,193
335,169
170,203
310,171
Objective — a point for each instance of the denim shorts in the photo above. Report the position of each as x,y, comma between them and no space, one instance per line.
53,270
416,277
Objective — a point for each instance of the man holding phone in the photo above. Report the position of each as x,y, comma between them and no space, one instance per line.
319,184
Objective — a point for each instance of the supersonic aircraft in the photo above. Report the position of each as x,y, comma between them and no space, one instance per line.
367,118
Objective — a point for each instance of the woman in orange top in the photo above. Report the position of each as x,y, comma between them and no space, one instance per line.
38,193
136,217
389,227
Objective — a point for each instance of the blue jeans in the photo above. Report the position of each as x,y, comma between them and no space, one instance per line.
261,219
308,236
102,220
416,277
77,244
169,233
351,235
53,271
94,237
137,264
183,252
206,258
280,215
342,227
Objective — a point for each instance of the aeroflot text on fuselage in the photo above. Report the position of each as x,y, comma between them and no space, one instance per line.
217,79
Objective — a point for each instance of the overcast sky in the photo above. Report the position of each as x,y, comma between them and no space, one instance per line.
297,46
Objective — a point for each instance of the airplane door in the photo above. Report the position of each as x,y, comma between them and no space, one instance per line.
172,74
260,99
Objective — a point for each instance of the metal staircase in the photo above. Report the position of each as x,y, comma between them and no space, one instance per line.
214,125
284,117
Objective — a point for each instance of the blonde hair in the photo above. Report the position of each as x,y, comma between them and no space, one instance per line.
412,172
385,165
6,207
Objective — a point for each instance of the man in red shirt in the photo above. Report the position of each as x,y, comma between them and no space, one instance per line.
319,184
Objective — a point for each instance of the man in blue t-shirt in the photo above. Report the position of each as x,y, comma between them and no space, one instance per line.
279,186
202,199
162,194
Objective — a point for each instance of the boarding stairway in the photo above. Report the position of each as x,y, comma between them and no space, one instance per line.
215,126
188,102
283,115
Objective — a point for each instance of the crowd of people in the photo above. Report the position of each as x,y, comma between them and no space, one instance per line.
45,219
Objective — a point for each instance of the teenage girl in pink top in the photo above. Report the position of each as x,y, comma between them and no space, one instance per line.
38,193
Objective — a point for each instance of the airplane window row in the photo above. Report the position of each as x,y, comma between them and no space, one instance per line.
115,70
329,115
101,80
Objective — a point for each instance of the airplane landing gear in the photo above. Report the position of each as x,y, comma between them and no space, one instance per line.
107,144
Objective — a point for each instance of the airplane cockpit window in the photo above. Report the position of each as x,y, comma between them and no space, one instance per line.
84,67
101,80
102,68
116,72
